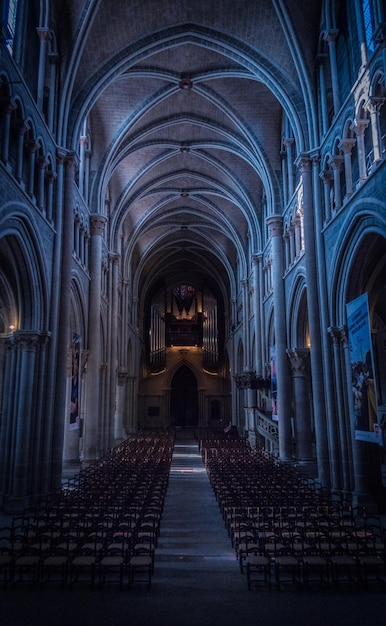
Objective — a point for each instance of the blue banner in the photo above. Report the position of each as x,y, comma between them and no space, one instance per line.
365,420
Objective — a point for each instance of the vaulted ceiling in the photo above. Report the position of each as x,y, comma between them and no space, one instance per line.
184,102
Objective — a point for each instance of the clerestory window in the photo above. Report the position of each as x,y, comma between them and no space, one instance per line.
9,23
369,24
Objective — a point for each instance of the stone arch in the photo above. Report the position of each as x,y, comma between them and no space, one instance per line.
352,262
21,265
298,328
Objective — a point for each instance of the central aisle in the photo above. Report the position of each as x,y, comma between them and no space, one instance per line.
194,549
197,581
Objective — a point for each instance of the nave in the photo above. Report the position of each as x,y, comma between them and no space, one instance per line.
197,577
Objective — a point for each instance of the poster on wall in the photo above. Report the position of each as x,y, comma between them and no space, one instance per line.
273,383
365,421
75,379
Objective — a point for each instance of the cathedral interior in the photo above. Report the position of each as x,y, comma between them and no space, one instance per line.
193,236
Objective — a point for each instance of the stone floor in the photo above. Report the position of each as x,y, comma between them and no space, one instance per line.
197,581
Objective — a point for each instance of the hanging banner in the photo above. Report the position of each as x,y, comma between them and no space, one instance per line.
75,379
362,367
274,383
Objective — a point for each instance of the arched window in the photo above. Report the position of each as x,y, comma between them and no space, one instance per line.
368,24
9,23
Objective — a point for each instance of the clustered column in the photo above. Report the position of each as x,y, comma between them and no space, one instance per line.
304,163
299,360
91,426
275,225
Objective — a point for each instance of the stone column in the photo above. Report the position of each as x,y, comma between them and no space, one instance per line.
7,419
82,142
275,226
32,148
247,346
313,303
359,127
289,144
38,479
322,87
326,176
24,418
256,263
43,34
9,107
120,431
291,236
329,419
340,385
61,307
113,346
344,346
91,425
51,177
360,449
298,236
284,177
336,163
21,131
373,106
26,346
330,36
41,167
299,359
53,61
346,145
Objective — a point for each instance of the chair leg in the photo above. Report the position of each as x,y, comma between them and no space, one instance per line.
140,570
258,570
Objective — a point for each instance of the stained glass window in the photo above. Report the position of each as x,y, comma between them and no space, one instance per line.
369,26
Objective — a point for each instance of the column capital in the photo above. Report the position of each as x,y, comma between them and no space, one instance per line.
51,176
338,335
315,156
303,162
72,159
275,225
20,126
31,146
97,224
335,161
43,33
289,142
374,103
114,257
346,144
300,361
333,331
31,339
69,157
331,35
41,161
8,104
343,330
359,125
326,176
257,259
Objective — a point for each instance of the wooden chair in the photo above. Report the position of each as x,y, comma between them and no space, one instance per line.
112,564
140,569
258,570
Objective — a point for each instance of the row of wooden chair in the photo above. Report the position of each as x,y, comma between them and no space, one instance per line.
283,525
102,526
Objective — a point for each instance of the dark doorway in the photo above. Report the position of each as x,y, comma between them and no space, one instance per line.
184,400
